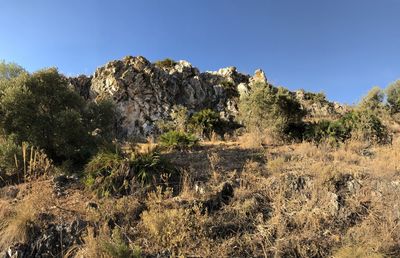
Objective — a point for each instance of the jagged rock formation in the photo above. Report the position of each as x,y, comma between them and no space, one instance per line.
317,106
145,92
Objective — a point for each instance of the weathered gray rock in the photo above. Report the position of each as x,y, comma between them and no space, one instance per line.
145,93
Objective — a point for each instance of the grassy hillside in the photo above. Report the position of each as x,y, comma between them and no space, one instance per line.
284,177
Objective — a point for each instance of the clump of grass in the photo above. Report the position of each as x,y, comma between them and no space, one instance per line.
21,163
356,252
113,174
117,247
105,246
172,229
17,221
178,140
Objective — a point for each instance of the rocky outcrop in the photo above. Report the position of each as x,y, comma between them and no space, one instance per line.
82,85
317,106
145,92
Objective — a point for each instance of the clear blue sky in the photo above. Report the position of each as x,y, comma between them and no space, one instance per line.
341,47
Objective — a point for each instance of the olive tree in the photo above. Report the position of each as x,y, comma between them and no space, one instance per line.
268,107
393,96
43,110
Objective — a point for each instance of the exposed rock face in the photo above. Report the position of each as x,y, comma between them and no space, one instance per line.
145,92
319,107
82,85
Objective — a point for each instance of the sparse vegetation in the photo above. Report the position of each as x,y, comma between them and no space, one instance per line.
287,186
166,63
178,140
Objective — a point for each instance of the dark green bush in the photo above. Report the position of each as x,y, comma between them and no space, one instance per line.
205,122
332,131
268,108
360,125
178,140
230,89
41,109
113,174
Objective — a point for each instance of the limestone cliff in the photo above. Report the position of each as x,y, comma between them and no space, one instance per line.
145,92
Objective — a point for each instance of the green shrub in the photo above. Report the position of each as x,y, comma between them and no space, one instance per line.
112,174
20,163
116,247
361,125
230,89
166,63
10,70
10,156
178,140
368,127
41,109
393,96
373,100
205,122
267,107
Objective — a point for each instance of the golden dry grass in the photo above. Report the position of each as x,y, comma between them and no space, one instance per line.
297,200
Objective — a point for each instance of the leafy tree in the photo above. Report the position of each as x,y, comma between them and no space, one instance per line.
10,70
393,96
267,107
43,110
373,100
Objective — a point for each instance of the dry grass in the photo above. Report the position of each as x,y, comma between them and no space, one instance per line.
18,219
298,200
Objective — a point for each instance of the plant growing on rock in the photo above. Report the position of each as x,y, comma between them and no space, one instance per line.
166,63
